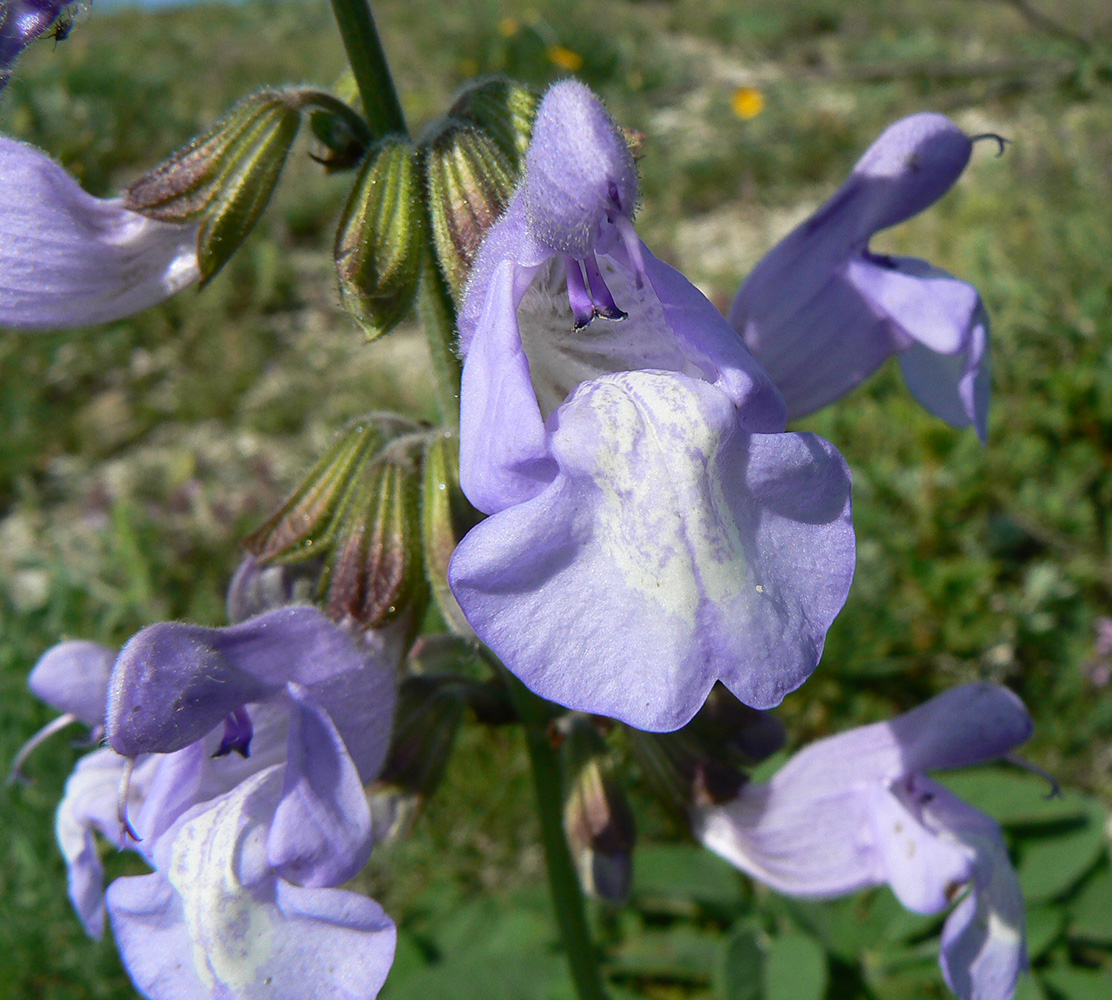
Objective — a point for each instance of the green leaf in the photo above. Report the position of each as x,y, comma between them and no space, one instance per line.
1079,984
739,970
795,969
1029,987
1059,856
1090,913
1016,799
679,954
1044,926
678,878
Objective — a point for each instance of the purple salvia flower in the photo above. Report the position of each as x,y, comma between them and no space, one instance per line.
69,259
858,810
651,530
21,22
288,823
173,683
822,312
241,904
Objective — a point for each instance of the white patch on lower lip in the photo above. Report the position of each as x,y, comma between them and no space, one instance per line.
664,520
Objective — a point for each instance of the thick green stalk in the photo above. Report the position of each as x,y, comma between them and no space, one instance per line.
384,114
368,63
563,881
437,313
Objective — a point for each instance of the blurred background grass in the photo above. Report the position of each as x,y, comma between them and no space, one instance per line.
133,456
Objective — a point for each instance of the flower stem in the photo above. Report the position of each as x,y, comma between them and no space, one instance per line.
563,882
384,115
437,313
368,63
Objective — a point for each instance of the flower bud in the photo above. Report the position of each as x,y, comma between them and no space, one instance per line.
225,177
470,180
446,517
598,820
426,722
356,514
504,110
380,239
302,525
705,762
375,569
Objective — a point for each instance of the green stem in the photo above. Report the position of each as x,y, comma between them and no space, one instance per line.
563,881
368,63
437,313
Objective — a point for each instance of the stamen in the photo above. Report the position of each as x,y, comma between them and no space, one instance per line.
237,734
126,829
28,748
1000,141
600,294
633,246
1026,765
582,307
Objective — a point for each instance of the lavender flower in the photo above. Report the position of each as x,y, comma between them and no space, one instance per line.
857,810
69,259
241,903
651,529
21,22
822,312
246,847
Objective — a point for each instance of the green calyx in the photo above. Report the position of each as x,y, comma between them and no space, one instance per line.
473,159
224,178
381,238
357,512
446,517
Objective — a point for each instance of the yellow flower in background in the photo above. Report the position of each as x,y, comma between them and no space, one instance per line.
508,27
747,102
564,58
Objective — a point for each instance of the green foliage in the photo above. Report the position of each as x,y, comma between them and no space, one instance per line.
134,457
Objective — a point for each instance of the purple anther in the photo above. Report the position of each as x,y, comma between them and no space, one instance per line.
582,305
237,734
600,294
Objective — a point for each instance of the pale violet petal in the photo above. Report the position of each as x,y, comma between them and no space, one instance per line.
805,844
73,678
682,549
233,927
89,806
984,946
321,831
923,867
503,458
173,683
69,259
955,388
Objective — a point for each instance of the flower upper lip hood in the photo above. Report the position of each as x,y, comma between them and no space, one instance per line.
857,810
822,312
69,259
566,199
652,529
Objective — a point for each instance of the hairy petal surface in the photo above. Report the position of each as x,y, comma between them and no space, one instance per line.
822,313
173,683
683,550
69,259
73,678
856,810
216,921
